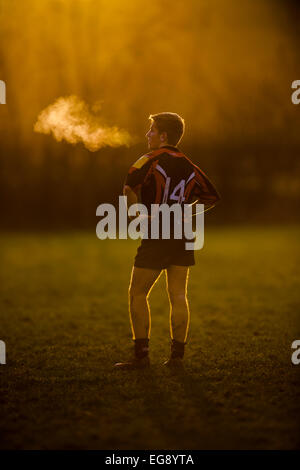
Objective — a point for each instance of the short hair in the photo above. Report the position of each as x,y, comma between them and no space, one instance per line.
172,124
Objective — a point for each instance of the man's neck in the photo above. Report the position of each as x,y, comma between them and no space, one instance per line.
163,144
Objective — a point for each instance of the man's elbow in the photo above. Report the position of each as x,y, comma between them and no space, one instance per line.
126,190
212,199
131,195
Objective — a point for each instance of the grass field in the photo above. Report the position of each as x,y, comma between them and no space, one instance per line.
64,320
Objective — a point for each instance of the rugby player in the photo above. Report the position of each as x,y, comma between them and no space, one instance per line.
164,175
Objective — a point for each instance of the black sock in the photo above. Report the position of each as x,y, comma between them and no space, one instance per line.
177,349
141,347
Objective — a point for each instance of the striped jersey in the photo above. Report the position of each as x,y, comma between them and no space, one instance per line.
166,175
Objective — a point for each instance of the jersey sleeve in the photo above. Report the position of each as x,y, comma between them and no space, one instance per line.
137,173
204,190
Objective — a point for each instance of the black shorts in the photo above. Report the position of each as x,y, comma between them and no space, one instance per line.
159,254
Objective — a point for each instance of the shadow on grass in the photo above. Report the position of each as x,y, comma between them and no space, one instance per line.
178,404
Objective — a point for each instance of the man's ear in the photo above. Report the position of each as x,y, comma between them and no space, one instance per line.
163,136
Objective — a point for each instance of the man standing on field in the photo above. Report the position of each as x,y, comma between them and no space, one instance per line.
164,175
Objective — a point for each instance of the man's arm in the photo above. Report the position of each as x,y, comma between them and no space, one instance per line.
207,207
132,197
134,181
205,191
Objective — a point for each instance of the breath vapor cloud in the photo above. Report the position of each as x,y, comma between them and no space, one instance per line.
71,119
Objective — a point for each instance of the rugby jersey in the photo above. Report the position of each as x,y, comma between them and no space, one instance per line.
166,175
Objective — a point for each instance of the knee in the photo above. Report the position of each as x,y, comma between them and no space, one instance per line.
136,291
177,296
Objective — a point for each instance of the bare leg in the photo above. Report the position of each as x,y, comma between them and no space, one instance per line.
177,281
141,283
